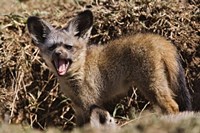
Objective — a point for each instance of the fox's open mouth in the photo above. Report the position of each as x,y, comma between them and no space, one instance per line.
62,66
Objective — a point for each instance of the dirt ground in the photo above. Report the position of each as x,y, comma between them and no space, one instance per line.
29,92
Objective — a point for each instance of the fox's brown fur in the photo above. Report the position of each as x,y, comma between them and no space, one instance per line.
97,74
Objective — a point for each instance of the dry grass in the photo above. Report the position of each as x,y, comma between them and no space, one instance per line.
29,93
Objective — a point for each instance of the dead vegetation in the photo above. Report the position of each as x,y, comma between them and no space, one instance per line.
29,93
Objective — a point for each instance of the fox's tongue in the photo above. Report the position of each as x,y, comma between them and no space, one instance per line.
62,66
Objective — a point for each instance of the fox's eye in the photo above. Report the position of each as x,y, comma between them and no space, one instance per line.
52,47
68,47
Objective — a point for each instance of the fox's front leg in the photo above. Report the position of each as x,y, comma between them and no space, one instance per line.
81,115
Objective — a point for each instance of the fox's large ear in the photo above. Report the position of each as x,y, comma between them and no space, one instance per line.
38,29
81,25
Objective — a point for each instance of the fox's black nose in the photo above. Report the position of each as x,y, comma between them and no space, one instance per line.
58,53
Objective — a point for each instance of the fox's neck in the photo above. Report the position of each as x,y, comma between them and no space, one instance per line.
77,69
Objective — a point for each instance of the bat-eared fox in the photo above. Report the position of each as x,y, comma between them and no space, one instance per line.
94,75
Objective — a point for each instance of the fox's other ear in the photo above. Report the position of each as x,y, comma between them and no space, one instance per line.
81,25
38,29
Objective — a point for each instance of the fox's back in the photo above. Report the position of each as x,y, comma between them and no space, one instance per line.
140,52
141,44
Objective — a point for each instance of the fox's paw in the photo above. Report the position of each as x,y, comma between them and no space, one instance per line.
172,107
